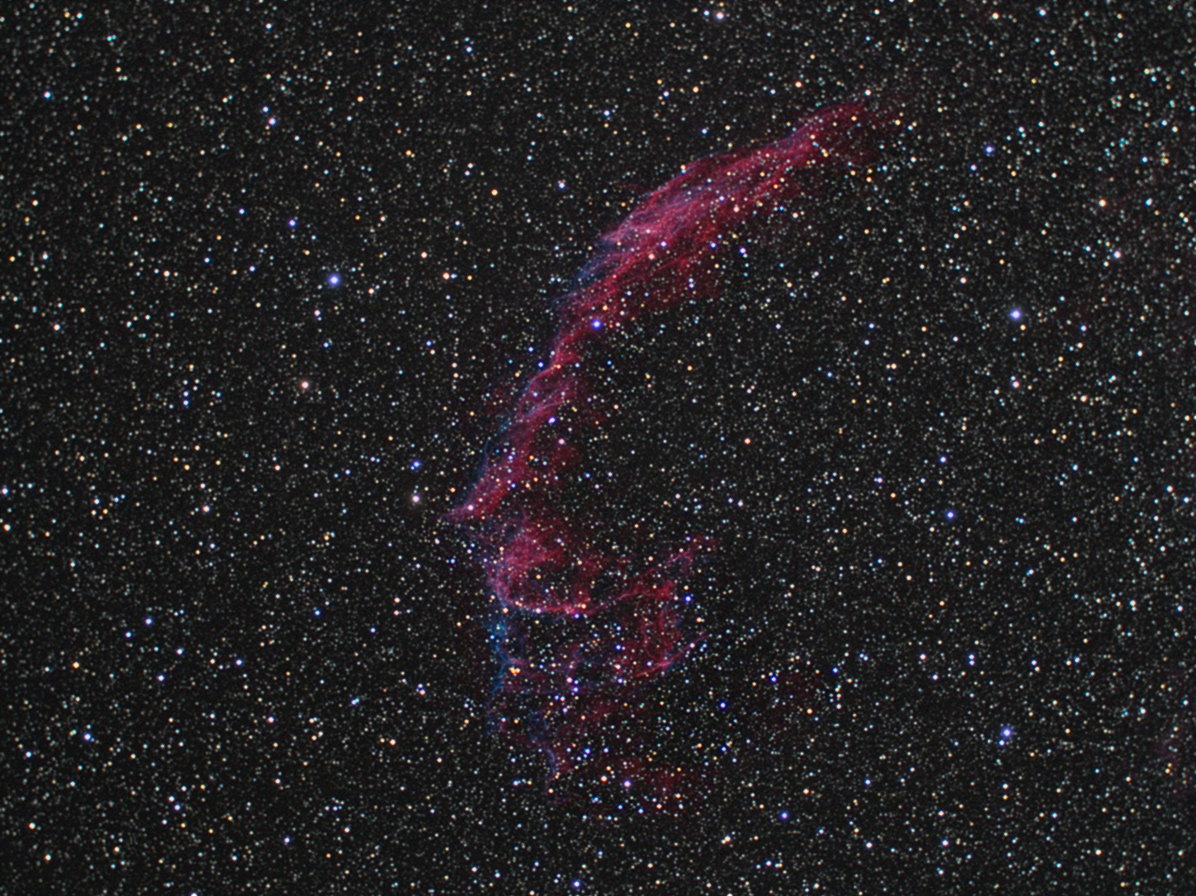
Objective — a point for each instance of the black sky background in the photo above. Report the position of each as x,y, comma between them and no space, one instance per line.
270,274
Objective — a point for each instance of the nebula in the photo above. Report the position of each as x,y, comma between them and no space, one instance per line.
585,613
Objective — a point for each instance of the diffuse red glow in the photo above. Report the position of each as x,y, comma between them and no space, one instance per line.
583,621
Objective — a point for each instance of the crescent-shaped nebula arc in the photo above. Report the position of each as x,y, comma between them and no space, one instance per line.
585,615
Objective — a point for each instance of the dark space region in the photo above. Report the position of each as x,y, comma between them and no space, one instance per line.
274,276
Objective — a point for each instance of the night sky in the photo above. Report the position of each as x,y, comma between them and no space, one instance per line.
273,281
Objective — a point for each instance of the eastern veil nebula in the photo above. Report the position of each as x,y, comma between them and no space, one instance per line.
587,612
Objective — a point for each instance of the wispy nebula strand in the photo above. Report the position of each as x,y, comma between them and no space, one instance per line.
583,618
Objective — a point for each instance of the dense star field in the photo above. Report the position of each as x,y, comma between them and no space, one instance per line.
611,449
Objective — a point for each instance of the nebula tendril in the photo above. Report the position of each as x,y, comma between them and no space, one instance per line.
585,614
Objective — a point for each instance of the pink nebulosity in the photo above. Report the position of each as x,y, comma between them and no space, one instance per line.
553,568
